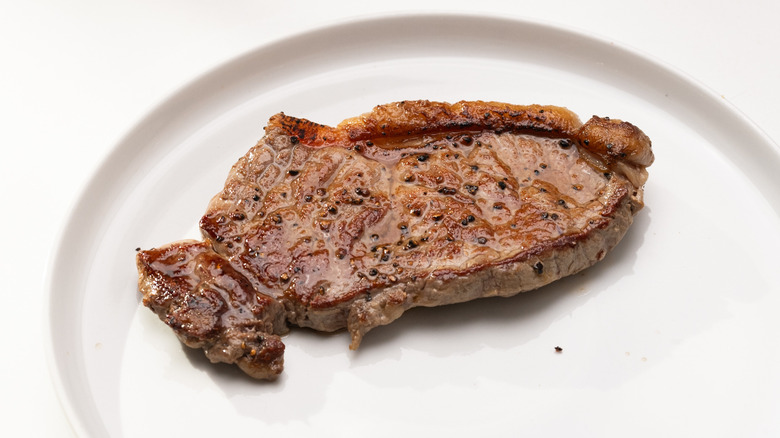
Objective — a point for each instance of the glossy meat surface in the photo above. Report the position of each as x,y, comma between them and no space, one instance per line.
421,204
211,306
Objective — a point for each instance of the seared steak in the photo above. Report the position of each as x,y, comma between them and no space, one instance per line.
210,305
416,203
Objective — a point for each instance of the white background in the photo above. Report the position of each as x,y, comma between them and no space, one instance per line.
77,75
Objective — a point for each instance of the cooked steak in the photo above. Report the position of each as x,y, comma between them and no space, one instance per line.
210,305
416,203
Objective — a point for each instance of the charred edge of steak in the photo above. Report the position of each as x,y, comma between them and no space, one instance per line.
613,141
209,305
425,117
415,117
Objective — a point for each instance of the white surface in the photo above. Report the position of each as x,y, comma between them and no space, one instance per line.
624,324
78,75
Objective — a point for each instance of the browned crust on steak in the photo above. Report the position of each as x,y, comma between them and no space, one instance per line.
422,117
209,305
417,203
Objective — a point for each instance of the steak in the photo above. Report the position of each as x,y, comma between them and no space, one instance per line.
416,203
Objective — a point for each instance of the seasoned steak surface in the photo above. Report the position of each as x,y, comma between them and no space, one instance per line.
414,204
211,306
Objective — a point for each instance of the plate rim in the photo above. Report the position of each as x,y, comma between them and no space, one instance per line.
58,375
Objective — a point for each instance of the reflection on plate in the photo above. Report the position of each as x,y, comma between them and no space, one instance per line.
671,332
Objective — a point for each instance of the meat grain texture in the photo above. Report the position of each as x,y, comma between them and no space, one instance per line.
416,203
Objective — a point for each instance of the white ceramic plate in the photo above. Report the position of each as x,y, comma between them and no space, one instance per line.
674,333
